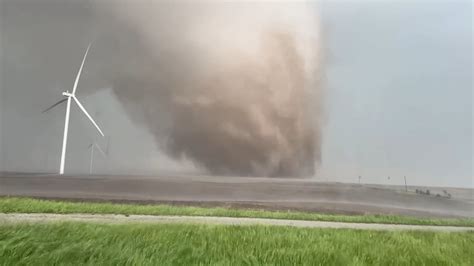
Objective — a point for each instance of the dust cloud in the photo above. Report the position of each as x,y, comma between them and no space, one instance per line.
234,87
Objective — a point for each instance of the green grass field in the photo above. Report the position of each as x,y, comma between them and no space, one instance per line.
173,244
27,205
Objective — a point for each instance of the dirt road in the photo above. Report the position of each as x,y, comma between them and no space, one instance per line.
112,218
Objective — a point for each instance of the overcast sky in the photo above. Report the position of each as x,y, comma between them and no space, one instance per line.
399,88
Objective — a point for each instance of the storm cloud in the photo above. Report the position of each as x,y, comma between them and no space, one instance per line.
234,87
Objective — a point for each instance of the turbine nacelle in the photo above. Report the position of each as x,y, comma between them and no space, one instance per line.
68,94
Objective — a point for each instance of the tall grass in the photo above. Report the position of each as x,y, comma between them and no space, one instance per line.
179,244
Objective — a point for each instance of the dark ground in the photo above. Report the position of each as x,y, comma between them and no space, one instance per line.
267,193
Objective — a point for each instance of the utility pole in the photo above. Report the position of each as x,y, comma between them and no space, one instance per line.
359,179
406,188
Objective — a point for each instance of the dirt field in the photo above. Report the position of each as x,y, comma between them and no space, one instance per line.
267,193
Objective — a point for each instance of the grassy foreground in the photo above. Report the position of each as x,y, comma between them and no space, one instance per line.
28,205
178,244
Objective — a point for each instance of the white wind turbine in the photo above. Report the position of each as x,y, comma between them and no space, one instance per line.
69,97
94,146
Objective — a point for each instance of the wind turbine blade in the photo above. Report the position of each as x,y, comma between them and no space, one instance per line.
80,70
100,149
54,105
88,116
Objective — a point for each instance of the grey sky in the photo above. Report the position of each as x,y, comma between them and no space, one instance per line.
399,93
400,88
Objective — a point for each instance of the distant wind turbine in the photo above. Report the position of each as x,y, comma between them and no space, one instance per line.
94,146
69,97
